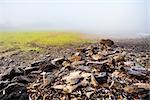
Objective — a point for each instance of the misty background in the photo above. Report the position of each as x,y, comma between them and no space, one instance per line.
108,17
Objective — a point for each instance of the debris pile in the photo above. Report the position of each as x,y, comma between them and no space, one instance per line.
92,72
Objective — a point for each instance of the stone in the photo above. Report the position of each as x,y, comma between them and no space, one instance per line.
145,86
3,84
57,61
74,58
94,81
48,67
90,73
11,73
37,63
49,79
21,79
106,42
76,63
101,78
96,57
43,65
30,69
36,72
88,94
14,91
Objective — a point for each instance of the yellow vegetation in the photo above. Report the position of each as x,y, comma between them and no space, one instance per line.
34,40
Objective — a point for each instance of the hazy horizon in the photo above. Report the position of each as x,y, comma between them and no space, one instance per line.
112,17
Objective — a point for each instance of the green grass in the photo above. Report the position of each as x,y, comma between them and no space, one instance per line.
35,40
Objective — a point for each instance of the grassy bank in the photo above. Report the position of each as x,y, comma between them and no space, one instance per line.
36,40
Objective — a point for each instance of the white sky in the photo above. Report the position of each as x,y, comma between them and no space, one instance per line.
95,16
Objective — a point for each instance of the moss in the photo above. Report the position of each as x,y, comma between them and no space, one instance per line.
25,40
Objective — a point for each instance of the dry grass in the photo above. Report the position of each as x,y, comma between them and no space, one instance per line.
25,40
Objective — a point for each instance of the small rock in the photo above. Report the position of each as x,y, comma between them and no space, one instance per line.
85,68
89,47
11,73
102,77
21,79
76,63
49,79
96,57
30,69
14,91
57,61
36,72
3,84
94,81
89,53
47,67
74,58
37,63
88,94
107,42
81,50
66,63
129,89
145,86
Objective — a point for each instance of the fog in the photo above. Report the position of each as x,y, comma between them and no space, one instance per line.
109,17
